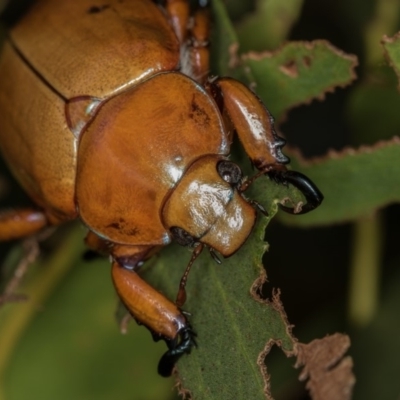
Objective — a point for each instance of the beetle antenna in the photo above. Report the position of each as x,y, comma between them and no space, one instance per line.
181,296
259,207
214,255
248,182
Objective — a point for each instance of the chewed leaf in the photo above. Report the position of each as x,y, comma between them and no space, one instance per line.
299,72
392,51
233,325
354,182
328,373
272,20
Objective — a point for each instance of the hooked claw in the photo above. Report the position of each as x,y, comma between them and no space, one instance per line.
313,196
186,338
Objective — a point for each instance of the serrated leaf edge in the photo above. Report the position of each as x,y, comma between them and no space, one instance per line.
309,45
391,39
338,154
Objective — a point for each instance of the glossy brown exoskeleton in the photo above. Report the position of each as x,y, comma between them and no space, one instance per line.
107,115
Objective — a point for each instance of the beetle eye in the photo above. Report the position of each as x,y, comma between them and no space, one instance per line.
182,237
229,172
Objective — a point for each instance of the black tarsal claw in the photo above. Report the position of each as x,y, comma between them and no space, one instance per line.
176,350
312,194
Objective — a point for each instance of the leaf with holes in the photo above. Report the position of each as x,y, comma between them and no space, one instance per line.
234,327
299,72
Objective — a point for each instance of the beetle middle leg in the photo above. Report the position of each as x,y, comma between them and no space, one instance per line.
255,128
16,224
147,306
150,308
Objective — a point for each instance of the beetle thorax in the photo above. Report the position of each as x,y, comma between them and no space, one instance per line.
137,149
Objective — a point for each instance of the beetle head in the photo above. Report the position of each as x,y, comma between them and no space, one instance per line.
206,206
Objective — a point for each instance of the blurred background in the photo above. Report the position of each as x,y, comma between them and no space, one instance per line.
75,321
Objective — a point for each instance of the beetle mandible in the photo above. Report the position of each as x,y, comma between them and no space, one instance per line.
107,115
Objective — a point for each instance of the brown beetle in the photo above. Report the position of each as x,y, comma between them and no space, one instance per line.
107,115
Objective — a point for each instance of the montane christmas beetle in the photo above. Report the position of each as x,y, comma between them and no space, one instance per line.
107,115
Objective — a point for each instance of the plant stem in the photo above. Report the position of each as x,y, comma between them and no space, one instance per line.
365,270
367,232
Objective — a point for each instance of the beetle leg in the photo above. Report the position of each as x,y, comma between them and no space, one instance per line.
255,128
193,34
312,194
156,312
252,122
97,246
169,359
133,257
178,11
16,224
199,53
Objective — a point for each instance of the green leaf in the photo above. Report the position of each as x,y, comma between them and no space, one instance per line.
233,325
294,74
224,40
354,183
372,108
272,20
64,342
236,9
391,46
299,72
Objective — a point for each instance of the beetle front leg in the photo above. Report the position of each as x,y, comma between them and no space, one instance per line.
16,224
150,308
255,128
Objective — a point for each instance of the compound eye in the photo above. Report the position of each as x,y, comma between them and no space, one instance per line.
229,172
182,237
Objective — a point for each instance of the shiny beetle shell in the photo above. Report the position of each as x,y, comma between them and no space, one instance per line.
68,84
107,115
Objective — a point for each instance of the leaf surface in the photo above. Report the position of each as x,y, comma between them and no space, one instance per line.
233,325
299,72
391,46
64,342
354,183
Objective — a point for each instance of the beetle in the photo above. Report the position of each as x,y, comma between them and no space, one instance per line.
108,115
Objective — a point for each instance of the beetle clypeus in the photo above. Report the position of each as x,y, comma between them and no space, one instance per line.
107,115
